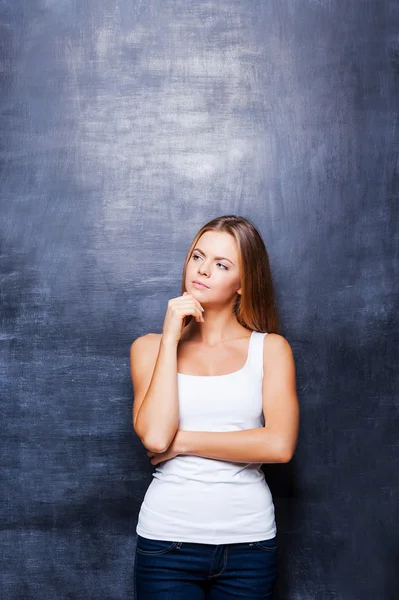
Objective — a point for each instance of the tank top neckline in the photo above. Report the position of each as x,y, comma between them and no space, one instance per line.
243,368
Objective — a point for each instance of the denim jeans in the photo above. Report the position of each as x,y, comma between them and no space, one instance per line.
171,570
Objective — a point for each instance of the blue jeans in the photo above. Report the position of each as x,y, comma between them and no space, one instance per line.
170,570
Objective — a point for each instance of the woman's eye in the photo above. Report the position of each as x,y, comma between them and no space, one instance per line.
224,266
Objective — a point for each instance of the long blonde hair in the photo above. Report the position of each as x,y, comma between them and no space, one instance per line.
255,307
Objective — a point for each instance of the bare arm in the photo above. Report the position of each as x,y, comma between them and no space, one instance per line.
155,408
246,446
279,396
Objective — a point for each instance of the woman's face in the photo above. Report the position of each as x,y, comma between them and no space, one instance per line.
214,262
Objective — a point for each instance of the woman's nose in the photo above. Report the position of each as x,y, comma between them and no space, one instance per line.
203,270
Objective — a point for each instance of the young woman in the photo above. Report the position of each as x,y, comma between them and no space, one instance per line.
214,398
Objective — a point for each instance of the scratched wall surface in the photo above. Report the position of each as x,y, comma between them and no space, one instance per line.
125,125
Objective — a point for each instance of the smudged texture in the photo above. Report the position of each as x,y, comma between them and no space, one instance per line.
125,125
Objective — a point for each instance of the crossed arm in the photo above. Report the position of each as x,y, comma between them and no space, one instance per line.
273,443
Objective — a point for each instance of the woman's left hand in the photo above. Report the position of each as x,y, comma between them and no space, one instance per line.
173,450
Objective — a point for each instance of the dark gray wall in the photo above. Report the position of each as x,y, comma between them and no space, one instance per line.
125,125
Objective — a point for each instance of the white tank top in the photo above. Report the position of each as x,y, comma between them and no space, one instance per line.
204,500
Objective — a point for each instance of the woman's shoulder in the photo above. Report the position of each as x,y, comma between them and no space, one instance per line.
149,336
147,340
144,350
275,342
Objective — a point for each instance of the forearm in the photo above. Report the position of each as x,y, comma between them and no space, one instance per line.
259,445
158,417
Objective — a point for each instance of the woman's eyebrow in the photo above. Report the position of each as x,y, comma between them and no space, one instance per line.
216,257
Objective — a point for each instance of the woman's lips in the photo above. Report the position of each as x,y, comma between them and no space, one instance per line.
200,285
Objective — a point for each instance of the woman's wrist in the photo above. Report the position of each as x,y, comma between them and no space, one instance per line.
182,441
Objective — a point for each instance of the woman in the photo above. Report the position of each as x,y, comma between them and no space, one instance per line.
214,398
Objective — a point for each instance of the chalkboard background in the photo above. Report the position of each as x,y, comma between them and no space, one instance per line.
126,125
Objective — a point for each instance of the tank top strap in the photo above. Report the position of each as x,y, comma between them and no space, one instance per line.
255,354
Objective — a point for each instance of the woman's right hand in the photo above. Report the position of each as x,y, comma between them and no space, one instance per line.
178,308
